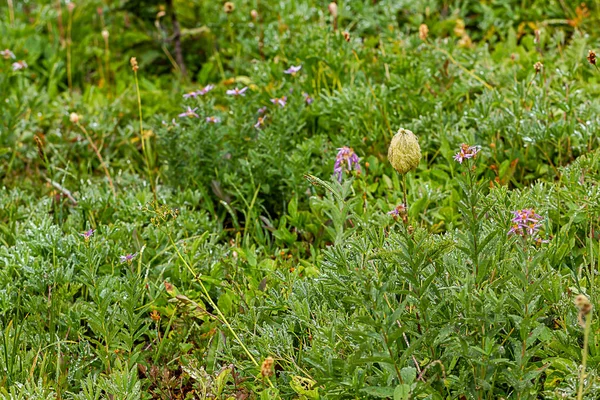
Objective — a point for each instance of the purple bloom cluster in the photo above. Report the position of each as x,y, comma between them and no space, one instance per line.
398,211
345,157
88,234
466,152
525,223
260,122
307,98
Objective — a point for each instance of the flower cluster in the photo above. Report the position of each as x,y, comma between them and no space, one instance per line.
237,92
309,100
466,152
525,223
128,258
345,157
88,234
7,54
190,113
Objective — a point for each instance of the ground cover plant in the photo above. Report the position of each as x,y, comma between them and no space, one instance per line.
299,200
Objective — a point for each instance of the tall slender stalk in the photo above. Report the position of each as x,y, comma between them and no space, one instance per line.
70,6
584,355
95,148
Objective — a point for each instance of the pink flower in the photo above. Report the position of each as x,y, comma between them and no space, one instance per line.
6,53
88,234
309,100
293,70
190,94
260,122
281,101
237,92
191,113
466,152
19,65
205,90
213,120
262,110
345,156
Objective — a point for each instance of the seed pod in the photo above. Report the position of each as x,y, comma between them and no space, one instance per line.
404,153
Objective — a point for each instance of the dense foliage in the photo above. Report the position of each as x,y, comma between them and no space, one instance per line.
208,220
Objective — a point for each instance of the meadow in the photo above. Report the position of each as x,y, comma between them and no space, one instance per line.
299,199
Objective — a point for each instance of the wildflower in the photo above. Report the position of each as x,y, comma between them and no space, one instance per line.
74,118
293,70
127,257
345,156
346,36
88,234
281,101
526,215
19,65
466,152
538,67
398,210
191,113
591,57
190,95
266,369
260,122
213,120
237,92
404,153
155,315
134,64
205,90
105,34
6,53
423,31
526,223
254,14
309,100
262,110
228,7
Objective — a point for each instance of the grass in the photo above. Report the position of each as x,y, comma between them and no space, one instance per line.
226,259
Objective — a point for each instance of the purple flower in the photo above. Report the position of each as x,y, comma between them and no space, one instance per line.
281,101
398,211
213,120
466,152
191,113
345,157
19,65
293,70
307,98
525,223
205,90
88,234
6,53
262,110
260,122
190,94
127,257
237,92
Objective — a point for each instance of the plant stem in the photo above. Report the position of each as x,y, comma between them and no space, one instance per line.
143,141
586,338
95,148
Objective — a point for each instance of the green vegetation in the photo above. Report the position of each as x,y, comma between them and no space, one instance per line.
162,246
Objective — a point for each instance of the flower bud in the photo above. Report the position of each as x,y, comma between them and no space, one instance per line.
254,14
333,9
74,118
134,64
105,34
591,57
404,153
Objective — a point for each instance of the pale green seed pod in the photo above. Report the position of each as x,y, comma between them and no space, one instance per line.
404,153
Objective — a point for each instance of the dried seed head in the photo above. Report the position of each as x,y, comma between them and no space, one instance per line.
459,29
581,300
346,36
404,153
591,57
538,67
228,7
105,34
74,118
134,64
266,369
333,9
254,14
423,31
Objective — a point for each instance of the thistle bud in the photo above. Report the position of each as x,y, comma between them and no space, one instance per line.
134,64
228,7
74,118
423,31
404,153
